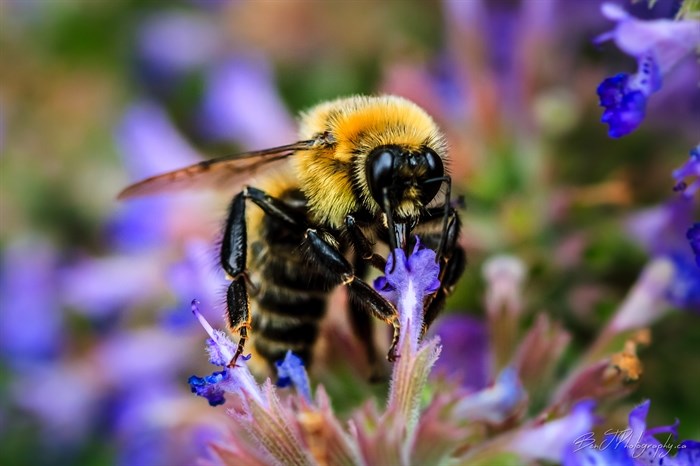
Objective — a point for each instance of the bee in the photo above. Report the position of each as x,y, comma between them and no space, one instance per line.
366,171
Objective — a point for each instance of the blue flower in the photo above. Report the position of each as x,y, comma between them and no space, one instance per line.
624,97
291,371
554,440
237,379
694,239
171,44
496,403
210,387
407,284
241,104
684,289
632,446
658,45
465,352
149,144
31,324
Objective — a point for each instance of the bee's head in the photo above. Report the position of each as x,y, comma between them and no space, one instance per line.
403,181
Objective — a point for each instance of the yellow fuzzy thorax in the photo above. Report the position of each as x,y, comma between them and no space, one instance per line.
357,125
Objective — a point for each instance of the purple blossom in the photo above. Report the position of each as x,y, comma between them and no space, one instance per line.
645,303
63,396
241,104
684,289
693,235
237,379
210,387
406,285
624,97
633,446
554,440
658,45
31,322
194,275
171,44
149,144
495,403
661,229
465,353
291,371
669,41
88,284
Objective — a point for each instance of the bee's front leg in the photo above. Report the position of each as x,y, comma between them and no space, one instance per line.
362,245
325,251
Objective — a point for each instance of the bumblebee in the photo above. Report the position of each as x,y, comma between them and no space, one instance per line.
366,171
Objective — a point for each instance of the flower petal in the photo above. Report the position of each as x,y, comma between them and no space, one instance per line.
291,371
496,403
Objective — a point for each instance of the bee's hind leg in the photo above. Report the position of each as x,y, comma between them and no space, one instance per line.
325,251
234,251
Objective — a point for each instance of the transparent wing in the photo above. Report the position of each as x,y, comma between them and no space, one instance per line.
217,173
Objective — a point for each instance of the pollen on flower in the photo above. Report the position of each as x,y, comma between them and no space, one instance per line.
625,365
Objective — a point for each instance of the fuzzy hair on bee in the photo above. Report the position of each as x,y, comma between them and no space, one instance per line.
366,171
334,179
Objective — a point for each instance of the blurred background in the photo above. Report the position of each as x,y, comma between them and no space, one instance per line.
96,335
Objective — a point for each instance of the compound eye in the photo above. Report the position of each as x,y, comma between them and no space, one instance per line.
435,170
380,171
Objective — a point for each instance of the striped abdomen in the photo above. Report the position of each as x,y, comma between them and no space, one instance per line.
287,311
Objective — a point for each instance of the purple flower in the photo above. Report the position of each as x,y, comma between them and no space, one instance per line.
632,446
291,371
170,44
31,322
645,302
662,229
237,379
406,285
691,169
625,97
657,45
684,289
465,353
554,440
149,144
64,397
88,284
194,276
496,403
669,41
241,104
210,387
694,239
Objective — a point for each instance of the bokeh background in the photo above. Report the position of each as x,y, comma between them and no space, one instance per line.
96,335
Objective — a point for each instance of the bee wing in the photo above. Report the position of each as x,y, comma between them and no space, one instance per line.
215,173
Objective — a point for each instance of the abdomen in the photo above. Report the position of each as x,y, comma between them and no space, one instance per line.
291,301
